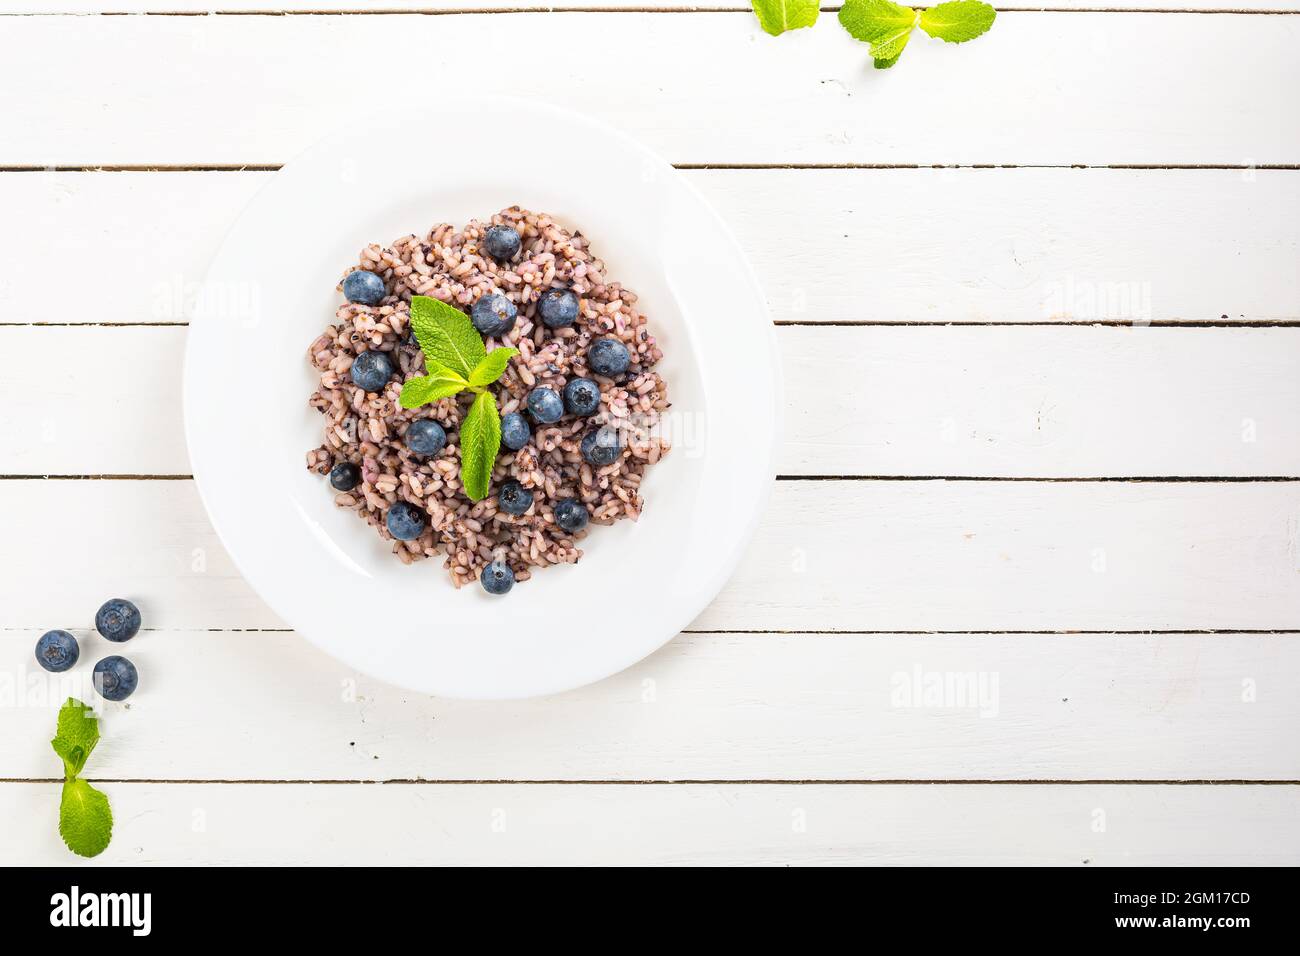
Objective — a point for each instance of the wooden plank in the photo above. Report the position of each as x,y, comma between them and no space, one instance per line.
927,245
707,707
1001,402
442,6
886,555
258,89
713,825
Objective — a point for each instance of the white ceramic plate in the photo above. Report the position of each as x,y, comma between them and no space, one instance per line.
270,292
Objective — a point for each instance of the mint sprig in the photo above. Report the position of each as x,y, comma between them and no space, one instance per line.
457,361
85,819
777,16
884,25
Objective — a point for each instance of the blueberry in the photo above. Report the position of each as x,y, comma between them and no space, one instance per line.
118,620
600,446
345,476
501,243
115,678
493,314
545,404
364,288
608,357
558,307
514,498
515,431
497,578
371,370
405,521
571,514
57,651
582,396
426,437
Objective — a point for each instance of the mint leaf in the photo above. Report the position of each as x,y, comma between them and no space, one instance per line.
492,367
76,737
885,25
439,383
85,819
74,757
777,16
480,438
886,54
446,335
958,20
876,21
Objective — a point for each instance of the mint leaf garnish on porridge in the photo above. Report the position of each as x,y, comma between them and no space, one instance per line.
446,334
492,367
480,437
450,343
441,382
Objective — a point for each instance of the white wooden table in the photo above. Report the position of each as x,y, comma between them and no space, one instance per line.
1039,305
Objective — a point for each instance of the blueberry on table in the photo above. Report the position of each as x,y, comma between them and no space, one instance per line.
582,396
118,620
608,357
497,578
571,515
601,446
545,405
371,370
493,314
426,437
115,678
363,288
501,243
56,651
514,498
405,521
515,431
558,307
345,476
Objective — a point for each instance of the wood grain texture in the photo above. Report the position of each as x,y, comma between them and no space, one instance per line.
890,555
830,245
464,6
833,246
1098,95
715,825
1000,402
707,707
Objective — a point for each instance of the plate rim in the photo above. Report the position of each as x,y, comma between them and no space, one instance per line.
190,402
